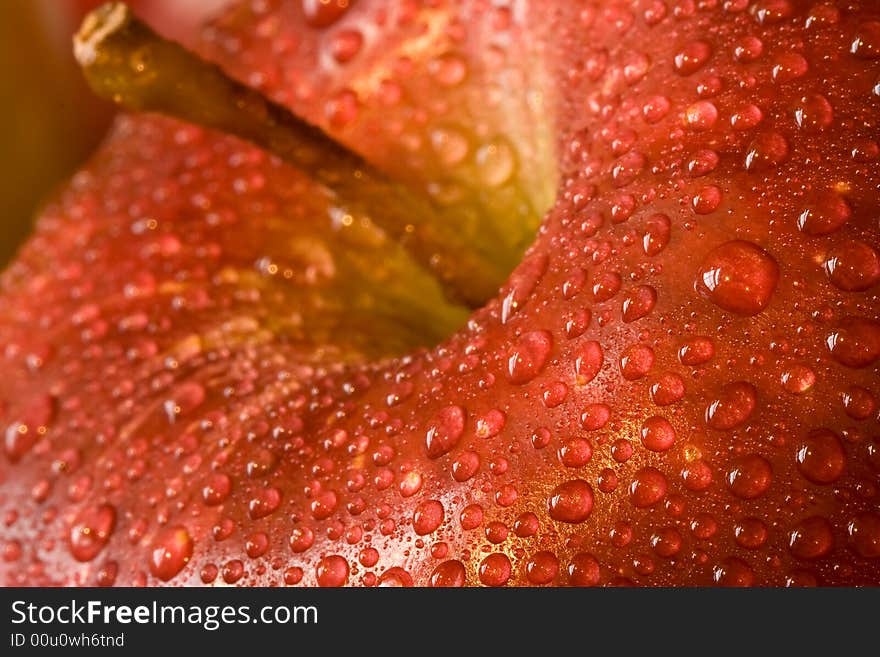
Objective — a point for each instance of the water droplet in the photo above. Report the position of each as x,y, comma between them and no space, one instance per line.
855,343
528,357
859,403
31,424
767,150
449,69
496,162
636,362
732,407
692,57
733,572
866,41
798,379
445,432
813,113
471,517
769,12
571,501
575,453
748,49
216,489
666,542
707,200
526,524
789,66
465,465
750,533
395,578
824,213
697,475
346,44
813,538
750,477
588,362
657,434
91,531
332,571
542,568
324,504
490,423
702,163
647,488
264,502
605,286
696,351
495,569
450,145
323,13
738,276
746,117
170,552
701,115
656,234
853,266
655,109
256,544
638,303
449,574
820,457
667,389
301,539
427,517
864,534
583,570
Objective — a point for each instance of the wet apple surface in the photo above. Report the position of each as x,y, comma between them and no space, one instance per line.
216,374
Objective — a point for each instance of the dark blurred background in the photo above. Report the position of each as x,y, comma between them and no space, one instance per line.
49,121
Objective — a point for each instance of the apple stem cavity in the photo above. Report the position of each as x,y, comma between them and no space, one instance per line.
127,62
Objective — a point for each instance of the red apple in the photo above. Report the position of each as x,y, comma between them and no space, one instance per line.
203,379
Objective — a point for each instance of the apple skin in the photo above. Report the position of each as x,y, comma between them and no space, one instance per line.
676,387
51,120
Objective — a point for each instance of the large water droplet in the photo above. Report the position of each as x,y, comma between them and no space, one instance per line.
853,266
528,356
750,477
445,431
332,571
820,457
647,488
91,531
734,405
170,552
427,517
738,276
571,501
855,342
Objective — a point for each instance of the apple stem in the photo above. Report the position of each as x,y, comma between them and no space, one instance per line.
125,61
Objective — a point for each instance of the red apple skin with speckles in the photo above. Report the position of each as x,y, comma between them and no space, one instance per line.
202,371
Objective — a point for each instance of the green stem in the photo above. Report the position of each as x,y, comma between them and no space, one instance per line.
124,60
